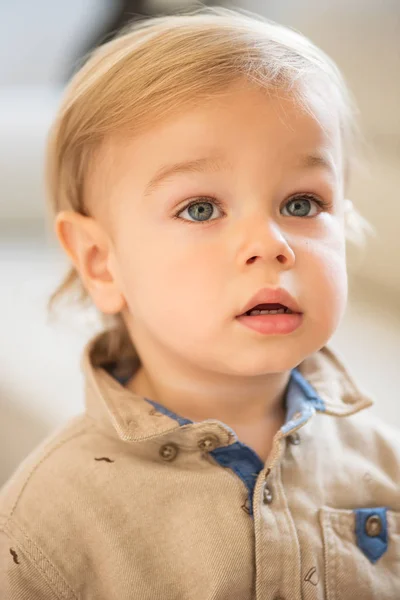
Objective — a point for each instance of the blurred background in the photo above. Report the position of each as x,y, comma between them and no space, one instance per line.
41,44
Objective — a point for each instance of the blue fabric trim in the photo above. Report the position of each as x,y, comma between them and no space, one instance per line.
123,380
244,461
165,411
372,546
307,389
302,399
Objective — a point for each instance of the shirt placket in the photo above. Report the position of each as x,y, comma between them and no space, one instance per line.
277,549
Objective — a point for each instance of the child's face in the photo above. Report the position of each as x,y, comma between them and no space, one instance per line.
184,280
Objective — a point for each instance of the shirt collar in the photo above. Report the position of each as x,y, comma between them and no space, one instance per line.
319,383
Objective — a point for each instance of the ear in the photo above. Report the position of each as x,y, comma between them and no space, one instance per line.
89,248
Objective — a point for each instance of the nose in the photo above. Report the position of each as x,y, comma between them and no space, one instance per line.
264,240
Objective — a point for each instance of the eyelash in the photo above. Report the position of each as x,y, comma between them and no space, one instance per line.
323,204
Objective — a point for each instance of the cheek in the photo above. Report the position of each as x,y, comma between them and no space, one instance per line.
163,281
325,272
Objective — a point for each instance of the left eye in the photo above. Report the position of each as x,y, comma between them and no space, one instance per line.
302,205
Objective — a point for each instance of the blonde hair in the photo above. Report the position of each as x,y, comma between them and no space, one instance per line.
156,66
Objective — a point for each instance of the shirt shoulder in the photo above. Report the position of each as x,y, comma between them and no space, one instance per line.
25,571
38,470
364,439
35,503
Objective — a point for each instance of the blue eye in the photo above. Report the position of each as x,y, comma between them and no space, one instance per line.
200,210
303,204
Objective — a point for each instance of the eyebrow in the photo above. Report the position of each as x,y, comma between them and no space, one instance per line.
310,161
199,165
217,163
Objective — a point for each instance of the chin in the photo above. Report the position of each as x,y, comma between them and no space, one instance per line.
262,364
282,354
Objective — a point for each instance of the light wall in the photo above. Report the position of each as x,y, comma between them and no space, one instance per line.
369,341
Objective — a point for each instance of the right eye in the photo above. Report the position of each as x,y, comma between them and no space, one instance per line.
199,209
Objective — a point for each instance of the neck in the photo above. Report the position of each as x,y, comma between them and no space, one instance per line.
241,403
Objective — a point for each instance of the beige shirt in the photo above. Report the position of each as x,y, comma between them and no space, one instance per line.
129,501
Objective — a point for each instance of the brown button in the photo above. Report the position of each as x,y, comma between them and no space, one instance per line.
267,495
208,443
373,525
169,451
294,438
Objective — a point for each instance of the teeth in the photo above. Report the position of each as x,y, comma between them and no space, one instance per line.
281,311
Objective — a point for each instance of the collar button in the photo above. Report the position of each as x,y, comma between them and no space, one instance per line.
169,451
209,443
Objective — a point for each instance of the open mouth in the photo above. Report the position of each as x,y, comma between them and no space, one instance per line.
268,309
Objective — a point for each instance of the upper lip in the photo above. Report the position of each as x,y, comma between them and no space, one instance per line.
272,296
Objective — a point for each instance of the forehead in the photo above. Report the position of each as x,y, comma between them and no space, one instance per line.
245,126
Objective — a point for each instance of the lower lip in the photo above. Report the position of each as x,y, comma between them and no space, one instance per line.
272,324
